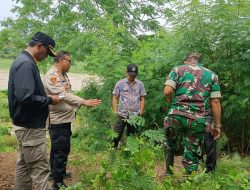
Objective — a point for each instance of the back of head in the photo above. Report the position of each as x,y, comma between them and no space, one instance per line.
192,57
192,54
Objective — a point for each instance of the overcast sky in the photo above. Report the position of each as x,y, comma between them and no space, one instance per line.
5,6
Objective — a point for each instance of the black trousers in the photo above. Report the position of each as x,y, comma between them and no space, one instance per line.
119,128
60,149
210,149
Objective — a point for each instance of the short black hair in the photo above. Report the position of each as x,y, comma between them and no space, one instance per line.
61,54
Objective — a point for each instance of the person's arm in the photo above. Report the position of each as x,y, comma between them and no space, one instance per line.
91,102
114,103
215,97
115,98
54,87
77,101
24,85
216,111
169,92
142,98
142,104
170,85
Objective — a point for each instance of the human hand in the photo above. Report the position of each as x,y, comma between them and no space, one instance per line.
67,86
92,102
55,99
217,133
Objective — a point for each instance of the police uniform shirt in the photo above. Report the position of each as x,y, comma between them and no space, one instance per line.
56,83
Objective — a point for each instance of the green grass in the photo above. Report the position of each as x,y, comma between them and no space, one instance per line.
8,143
77,67
232,173
97,165
5,63
4,110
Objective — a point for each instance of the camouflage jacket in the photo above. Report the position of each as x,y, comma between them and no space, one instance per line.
194,86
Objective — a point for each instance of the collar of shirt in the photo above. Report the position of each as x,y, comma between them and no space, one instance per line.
31,55
64,75
54,69
126,80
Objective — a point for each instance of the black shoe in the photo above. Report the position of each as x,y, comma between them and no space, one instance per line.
57,186
66,176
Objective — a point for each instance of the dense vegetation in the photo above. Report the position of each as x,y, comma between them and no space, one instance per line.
105,36
137,165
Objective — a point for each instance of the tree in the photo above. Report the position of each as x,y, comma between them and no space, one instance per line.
108,34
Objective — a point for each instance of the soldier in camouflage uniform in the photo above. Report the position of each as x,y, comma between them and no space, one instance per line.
193,92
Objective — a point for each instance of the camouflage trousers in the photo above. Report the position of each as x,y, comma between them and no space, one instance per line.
188,134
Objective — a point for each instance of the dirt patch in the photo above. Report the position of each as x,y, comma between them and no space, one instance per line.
7,171
160,168
8,162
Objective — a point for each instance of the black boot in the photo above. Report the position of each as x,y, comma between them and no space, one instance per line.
169,157
65,176
58,185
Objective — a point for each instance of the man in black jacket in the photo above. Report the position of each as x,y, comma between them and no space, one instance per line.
28,106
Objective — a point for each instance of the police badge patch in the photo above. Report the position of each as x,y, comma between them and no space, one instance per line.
53,79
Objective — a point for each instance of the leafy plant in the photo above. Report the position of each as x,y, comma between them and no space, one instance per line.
136,121
4,109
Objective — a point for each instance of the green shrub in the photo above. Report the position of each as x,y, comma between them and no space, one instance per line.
4,109
7,143
4,130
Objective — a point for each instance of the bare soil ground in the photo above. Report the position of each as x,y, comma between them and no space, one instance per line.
7,170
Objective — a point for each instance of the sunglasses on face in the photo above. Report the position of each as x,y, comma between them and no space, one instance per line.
67,60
